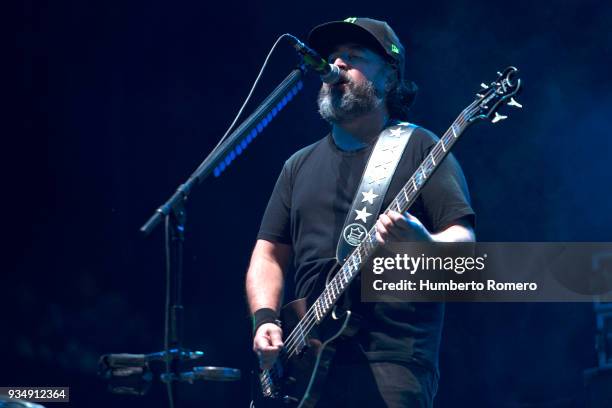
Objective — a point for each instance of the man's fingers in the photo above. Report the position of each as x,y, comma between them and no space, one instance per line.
260,343
381,232
381,228
391,226
267,343
396,217
385,220
267,356
276,339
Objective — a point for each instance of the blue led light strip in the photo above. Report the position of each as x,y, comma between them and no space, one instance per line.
257,129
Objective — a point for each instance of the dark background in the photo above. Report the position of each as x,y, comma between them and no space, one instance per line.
117,102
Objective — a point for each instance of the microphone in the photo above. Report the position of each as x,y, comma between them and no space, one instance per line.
330,73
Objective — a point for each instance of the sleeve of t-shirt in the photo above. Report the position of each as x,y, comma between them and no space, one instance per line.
445,197
275,225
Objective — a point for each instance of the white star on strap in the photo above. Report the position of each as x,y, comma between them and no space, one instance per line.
369,196
362,215
397,132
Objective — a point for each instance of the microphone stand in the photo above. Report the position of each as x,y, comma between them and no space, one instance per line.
174,215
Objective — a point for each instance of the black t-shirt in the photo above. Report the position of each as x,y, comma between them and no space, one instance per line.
308,208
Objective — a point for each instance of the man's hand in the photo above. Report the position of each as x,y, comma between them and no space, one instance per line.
267,343
394,226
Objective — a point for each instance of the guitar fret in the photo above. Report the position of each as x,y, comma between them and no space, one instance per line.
372,239
432,159
424,171
365,245
400,201
451,139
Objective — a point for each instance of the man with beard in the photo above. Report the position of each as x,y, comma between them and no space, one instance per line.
393,359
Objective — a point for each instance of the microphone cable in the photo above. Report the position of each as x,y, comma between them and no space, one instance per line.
250,94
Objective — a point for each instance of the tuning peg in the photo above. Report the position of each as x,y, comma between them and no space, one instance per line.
513,102
480,95
484,86
499,73
498,117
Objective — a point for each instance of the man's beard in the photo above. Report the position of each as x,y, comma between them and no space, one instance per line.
341,104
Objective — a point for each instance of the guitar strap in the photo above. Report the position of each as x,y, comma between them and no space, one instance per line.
373,186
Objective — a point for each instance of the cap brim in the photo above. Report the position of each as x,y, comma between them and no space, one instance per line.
326,37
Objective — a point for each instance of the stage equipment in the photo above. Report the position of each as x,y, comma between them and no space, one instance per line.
132,374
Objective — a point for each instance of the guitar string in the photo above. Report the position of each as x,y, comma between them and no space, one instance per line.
308,321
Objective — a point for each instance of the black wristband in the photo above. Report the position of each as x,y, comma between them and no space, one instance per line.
263,316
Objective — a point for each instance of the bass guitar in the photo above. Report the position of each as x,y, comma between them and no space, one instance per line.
314,323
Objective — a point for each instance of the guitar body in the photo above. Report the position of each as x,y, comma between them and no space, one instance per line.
296,379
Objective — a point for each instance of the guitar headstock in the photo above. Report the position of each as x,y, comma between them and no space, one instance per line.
491,97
